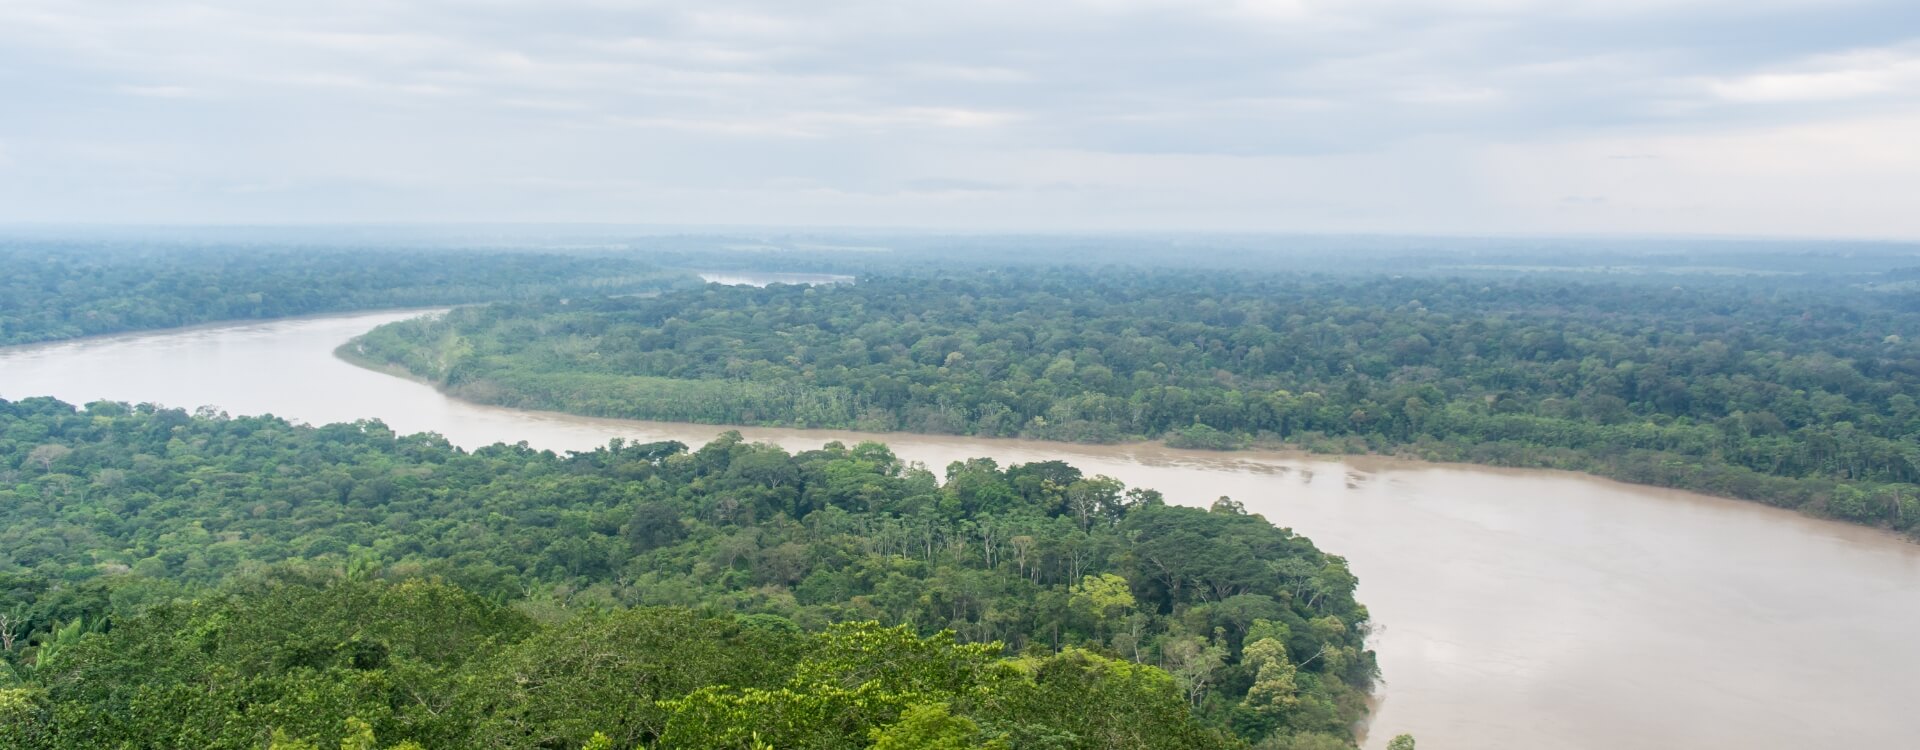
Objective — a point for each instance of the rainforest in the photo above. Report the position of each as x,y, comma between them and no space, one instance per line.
170,579
1794,394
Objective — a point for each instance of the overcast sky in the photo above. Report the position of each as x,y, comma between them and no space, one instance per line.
1747,117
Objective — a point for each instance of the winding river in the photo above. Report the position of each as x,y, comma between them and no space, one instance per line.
1524,610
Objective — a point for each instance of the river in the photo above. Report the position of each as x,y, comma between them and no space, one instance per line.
764,278
1514,609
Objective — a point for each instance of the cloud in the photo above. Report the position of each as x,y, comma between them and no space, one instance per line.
1352,113
820,124
1885,72
1449,94
1848,177
953,185
163,92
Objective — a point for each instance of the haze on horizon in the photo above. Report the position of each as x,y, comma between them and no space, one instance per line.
1748,117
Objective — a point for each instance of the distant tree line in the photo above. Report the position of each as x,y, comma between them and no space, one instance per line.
53,290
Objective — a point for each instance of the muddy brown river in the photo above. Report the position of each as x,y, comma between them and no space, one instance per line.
1513,609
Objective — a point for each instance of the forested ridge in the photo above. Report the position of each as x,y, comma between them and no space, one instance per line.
1801,395
58,290
197,580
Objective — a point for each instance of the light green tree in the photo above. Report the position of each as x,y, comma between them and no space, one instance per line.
927,726
1274,688
1103,598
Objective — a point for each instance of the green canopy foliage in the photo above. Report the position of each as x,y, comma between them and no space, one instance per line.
1802,395
658,594
56,290
361,665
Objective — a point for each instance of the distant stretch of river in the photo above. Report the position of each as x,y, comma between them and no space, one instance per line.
761,278
1522,610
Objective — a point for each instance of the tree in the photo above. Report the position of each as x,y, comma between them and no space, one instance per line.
928,726
1095,497
1195,661
1102,599
46,455
1274,689
22,716
654,524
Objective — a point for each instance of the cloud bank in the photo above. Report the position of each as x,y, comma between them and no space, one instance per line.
1759,117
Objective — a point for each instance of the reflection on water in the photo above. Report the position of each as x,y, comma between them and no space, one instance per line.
1514,609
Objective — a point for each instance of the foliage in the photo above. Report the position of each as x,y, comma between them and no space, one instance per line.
56,290
295,665
619,560
1803,395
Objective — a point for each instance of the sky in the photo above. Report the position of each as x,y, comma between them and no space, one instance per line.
1727,117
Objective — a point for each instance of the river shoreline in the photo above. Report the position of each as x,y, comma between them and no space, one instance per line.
215,325
1374,461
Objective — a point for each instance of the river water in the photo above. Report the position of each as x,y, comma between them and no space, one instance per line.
1523,610
763,278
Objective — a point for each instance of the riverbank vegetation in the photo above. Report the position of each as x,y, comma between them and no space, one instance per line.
172,579
1800,395
57,290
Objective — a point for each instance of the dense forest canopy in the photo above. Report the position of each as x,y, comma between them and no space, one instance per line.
61,289
1802,395
302,665
170,579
